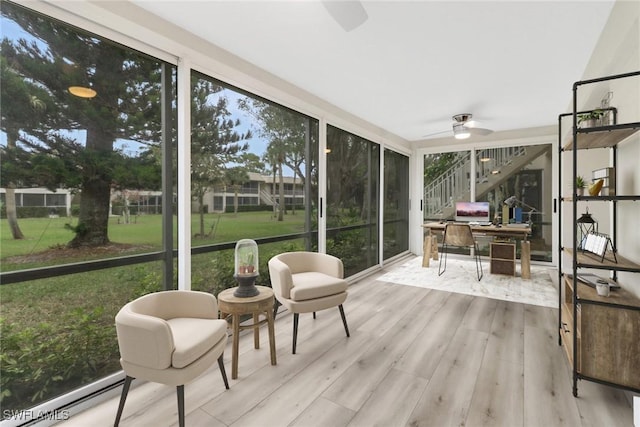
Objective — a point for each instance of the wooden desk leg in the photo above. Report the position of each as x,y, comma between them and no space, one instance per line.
426,251
434,248
272,336
236,345
256,330
525,259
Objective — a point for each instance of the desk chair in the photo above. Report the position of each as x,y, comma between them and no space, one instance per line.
459,235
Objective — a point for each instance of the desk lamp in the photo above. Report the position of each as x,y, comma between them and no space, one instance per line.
512,201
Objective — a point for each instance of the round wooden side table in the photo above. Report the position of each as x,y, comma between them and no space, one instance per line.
230,305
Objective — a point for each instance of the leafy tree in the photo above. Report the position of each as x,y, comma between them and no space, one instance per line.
215,143
133,174
287,134
351,164
437,164
235,177
25,109
128,86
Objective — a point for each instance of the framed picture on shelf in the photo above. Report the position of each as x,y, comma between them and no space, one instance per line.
598,244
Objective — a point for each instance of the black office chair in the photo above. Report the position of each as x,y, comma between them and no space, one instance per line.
459,235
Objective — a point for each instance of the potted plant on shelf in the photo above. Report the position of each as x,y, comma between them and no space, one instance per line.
590,119
248,263
580,184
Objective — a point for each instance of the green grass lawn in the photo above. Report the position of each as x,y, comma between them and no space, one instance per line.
144,233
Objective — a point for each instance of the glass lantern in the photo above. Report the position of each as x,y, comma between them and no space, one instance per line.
246,268
586,225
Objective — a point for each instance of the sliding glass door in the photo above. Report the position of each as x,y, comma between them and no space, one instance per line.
516,181
353,189
396,204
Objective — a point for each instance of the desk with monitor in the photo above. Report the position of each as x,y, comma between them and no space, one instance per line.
518,231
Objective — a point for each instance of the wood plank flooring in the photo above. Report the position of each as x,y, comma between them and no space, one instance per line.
416,357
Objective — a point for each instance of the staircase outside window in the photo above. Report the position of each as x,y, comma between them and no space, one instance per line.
522,171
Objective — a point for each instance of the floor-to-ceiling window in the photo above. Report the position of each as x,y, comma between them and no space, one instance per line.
253,176
518,175
89,117
517,183
396,204
353,191
446,181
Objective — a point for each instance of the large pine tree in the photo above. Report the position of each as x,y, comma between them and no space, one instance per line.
43,119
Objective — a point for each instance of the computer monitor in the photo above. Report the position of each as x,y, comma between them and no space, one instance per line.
472,212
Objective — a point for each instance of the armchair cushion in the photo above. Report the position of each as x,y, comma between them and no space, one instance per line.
193,338
312,285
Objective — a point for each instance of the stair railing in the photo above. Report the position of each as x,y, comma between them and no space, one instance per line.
443,190
490,160
453,184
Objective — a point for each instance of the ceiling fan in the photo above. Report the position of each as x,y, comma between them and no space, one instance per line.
349,14
463,127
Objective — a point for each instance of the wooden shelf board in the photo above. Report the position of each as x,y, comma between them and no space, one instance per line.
609,198
601,137
592,260
619,297
619,198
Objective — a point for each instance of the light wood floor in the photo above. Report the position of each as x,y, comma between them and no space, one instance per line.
415,357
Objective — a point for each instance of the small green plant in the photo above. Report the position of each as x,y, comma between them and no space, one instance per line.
594,115
580,183
249,259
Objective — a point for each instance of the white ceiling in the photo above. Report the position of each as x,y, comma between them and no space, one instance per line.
413,64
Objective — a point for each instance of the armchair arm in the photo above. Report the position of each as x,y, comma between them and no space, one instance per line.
328,264
281,279
144,340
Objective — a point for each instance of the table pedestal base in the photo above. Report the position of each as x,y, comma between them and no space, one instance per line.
247,286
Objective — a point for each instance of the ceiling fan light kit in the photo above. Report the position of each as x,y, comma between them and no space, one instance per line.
462,118
460,131
463,127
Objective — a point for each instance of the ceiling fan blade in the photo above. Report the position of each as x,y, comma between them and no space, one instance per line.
437,133
349,14
480,131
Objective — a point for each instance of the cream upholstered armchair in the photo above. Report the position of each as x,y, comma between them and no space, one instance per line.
170,337
306,282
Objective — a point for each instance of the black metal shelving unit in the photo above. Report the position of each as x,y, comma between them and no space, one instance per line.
596,137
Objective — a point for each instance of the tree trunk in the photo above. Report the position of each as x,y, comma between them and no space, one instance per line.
281,198
95,193
12,212
235,201
93,220
10,195
273,193
127,216
293,196
201,213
